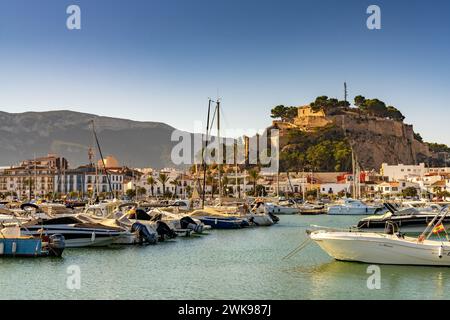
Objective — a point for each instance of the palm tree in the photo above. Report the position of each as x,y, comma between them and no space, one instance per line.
151,182
163,178
175,182
210,181
254,176
225,182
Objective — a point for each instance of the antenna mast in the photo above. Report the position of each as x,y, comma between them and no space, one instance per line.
345,92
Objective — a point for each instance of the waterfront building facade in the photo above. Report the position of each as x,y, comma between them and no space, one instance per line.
31,178
401,171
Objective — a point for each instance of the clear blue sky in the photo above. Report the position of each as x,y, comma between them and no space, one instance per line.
159,60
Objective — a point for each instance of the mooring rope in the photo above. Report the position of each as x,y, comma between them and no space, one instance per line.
297,249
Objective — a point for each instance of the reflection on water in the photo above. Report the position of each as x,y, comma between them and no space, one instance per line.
232,264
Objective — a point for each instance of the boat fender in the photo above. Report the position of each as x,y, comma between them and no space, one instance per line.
440,252
2,248
14,247
93,237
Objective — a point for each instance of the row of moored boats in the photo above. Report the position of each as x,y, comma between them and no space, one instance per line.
46,229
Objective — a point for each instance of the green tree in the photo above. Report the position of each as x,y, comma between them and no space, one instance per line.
375,107
359,101
131,193
260,191
175,182
225,182
418,137
254,176
328,105
285,113
438,147
395,114
141,191
151,182
163,178
342,155
409,192
443,194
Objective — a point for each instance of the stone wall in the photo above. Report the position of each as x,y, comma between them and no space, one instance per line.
374,140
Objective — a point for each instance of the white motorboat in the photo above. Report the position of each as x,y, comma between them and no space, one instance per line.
140,226
353,207
407,220
77,232
391,248
181,223
382,248
279,209
259,215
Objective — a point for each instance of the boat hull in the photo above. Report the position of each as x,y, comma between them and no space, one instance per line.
406,225
77,238
274,209
260,220
381,249
223,223
348,211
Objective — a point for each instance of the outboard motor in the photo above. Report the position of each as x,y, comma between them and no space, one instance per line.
144,234
189,223
252,221
164,231
274,218
56,245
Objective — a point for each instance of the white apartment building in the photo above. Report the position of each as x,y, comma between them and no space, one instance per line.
396,187
401,171
335,188
438,170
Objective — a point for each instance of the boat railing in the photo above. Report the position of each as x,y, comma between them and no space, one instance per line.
440,216
333,229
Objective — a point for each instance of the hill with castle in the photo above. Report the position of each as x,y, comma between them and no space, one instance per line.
322,136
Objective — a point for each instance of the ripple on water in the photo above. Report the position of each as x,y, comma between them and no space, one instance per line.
228,264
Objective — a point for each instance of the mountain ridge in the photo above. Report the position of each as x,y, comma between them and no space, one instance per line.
68,133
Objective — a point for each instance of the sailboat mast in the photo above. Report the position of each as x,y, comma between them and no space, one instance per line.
219,153
35,178
237,193
354,176
103,160
204,154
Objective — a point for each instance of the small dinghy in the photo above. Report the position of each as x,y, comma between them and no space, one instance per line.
217,219
14,244
259,215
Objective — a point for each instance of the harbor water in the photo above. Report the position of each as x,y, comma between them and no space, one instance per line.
224,264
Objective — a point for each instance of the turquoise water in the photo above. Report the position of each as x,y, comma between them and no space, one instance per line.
228,264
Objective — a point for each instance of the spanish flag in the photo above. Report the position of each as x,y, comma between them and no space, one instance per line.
438,229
